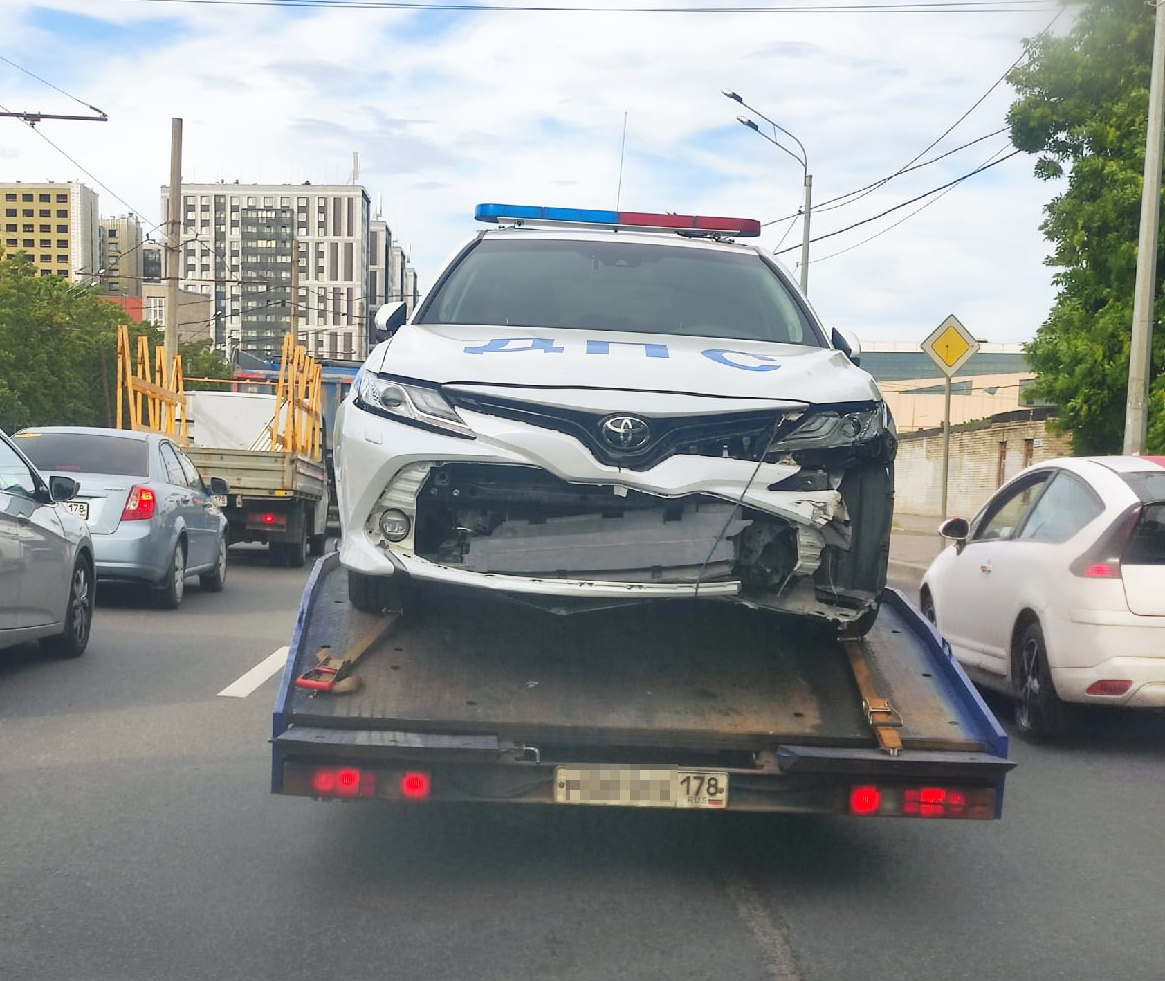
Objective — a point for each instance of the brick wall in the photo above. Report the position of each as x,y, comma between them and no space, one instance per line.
982,455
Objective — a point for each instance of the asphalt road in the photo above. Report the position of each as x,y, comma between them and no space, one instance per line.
138,840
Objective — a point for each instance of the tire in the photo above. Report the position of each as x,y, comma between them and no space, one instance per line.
1039,713
168,595
373,594
214,580
862,625
315,545
72,641
926,605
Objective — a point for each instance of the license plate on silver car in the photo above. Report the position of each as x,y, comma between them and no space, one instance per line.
632,786
79,508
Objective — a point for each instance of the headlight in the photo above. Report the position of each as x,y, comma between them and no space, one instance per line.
829,429
409,402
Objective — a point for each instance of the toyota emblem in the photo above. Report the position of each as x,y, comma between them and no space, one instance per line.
624,432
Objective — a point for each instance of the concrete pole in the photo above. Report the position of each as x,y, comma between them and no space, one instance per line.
1141,344
805,233
173,241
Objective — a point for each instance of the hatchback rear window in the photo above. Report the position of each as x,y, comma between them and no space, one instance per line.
86,453
1147,546
1148,485
620,286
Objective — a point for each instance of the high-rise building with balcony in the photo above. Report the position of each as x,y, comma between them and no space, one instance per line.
55,225
277,257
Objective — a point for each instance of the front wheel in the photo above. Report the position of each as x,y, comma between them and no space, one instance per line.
72,641
928,610
1039,713
168,596
373,594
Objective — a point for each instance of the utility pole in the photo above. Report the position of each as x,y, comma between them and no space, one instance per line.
805,231
1141,344
173,241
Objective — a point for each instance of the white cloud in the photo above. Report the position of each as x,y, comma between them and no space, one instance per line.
446,110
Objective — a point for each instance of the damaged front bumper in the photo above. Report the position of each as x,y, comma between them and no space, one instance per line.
531,513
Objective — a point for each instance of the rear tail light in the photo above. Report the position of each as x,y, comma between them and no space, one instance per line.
343,781
141,504
346,782
975,803
1103,559
416,786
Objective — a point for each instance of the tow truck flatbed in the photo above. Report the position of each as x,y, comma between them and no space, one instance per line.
469,698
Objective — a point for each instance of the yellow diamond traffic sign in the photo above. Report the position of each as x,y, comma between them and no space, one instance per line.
950,345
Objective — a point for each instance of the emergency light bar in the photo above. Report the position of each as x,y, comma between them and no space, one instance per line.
691,224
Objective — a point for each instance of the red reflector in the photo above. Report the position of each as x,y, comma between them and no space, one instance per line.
1103,570
1109,686
140,505
415,786
864,800
932,795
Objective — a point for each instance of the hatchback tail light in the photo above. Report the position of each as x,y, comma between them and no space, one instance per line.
141,504
1103,559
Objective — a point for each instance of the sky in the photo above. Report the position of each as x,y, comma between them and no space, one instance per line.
595,104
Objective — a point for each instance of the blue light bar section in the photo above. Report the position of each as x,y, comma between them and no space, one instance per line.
518,212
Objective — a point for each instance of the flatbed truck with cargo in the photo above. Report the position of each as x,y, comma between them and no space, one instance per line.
464,697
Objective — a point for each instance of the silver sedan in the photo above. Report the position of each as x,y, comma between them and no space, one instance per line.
154,520
46,559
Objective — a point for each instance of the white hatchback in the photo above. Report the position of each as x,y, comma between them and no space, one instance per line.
1055,592
594,408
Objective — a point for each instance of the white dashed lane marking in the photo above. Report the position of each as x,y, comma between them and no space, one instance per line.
268,667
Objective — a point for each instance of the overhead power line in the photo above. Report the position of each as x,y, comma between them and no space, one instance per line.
906,204
936,6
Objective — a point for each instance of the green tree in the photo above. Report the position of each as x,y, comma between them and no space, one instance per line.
58,349
201,360
1083,108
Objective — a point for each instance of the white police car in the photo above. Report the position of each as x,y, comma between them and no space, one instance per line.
595,407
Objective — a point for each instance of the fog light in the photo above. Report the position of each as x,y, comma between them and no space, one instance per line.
395,525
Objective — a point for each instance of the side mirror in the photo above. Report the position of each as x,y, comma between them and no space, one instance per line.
847,342
63,488
957,529
219,487
389,318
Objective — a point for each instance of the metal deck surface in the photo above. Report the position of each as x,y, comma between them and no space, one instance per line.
698,675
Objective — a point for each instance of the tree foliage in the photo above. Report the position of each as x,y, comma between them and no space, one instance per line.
58,351
1083,108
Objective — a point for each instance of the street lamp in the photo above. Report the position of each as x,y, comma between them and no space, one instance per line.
802,159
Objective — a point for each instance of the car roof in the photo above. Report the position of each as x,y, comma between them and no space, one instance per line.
92,431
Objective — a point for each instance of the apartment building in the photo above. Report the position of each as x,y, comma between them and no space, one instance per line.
55,224
278,257
121,256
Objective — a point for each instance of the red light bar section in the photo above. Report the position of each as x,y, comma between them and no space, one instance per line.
748,227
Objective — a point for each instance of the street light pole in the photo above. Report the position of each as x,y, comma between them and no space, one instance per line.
802,158
805,231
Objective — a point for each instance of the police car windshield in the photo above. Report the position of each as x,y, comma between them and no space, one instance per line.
623,286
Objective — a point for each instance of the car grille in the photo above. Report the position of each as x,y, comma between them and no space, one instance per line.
736,435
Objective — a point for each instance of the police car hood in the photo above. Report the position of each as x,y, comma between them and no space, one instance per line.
717,367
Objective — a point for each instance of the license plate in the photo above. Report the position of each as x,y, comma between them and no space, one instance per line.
79,508
220,500
631,786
